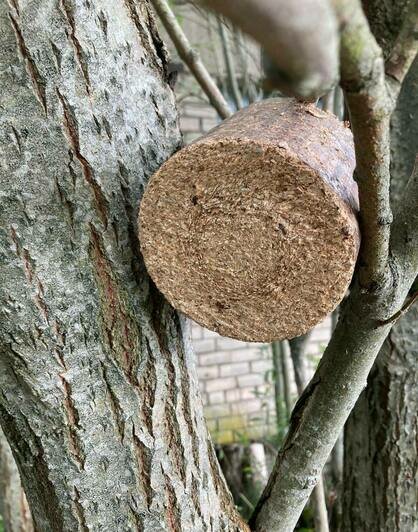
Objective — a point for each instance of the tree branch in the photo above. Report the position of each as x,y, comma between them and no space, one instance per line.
405,48
402,311
404,239
320,413
300,37
191,58
363,81
371,92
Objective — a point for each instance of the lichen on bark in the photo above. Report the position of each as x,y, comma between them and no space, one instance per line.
99,396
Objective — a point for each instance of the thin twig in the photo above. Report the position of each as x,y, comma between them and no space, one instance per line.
297,352
230,65
328,101
243,60
191,58
402,311
247,502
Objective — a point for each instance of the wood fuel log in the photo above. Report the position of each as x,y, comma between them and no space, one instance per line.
251,230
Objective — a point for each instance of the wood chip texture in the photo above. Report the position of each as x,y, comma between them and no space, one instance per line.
252,230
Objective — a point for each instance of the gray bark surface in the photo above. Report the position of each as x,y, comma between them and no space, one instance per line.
14,507
381,454
380,464
98,392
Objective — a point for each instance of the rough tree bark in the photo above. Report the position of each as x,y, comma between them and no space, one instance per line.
99,396
14,506
381,452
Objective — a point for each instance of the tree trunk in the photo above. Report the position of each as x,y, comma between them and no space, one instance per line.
13,504
380,439
99,396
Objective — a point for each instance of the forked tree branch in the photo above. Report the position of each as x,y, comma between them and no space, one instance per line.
191,58
300,37
388,267
371,90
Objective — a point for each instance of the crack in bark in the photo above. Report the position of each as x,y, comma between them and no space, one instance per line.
107,127
195,489
144,461
15,240
171,422
80,511
154,46
79,53
30,275
71,130
103,23
16,139
73,423
298,411
14,4
137,263
56,52
38,83
27,265
121,331
68,205
40,302
173,433
185,391
147,386
17,355
173,514
115,407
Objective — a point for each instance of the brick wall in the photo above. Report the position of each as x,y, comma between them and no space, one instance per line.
196,118
236,383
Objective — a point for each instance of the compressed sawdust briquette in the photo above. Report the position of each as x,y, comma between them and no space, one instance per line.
251,230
